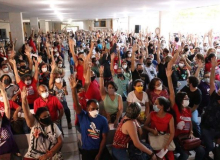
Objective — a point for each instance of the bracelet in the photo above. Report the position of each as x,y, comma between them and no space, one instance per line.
151,155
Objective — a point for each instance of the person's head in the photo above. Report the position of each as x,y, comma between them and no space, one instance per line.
124,65
181,63
43,116
5,68
27,79
168,58
60,64
140,68
210,50
44,67
138,85
182,100
120,72
6,79
191,46
199,58
23,64
186,48
111,88
176,39
196,50
193,81
92,75
161,103
81,57
155,84
165,52
206,77
43,91
149,61
92,108
133,110
57,78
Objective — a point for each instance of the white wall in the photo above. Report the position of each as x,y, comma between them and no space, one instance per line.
5,25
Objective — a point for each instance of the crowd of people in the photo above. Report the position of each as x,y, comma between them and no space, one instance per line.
153,91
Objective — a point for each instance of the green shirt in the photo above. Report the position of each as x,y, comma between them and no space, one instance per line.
122,85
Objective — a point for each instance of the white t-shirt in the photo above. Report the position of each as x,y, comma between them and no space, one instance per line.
42,140
132,98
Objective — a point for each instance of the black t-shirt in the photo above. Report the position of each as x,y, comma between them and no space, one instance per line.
143,77
106,63
44,56
211,118
195,97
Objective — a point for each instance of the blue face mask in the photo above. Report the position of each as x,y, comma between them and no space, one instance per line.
156,109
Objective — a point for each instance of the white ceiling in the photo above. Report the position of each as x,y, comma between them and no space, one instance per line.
91,9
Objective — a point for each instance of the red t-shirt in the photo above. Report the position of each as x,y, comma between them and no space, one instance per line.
82,102
93,91
79,70
32,44
12,104
53,104
182,120
32,90
208,67
161,124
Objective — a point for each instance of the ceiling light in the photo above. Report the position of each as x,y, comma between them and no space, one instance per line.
96,19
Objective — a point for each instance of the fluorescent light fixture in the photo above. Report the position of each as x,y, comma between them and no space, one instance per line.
70,20
96,19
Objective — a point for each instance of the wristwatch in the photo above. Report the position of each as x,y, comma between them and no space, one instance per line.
151,155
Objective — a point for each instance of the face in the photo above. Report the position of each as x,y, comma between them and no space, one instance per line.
111,87
119,71
186,97
140,67
93,106
42,89
5,78
158,105
45,114
28,79
139,84
158,84
182,62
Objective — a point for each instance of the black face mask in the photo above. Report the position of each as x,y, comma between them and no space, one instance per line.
140,71
120,75
46,121
23,67
7,81
93,78
149,63
186,49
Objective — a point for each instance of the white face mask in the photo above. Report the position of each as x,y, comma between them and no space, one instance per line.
94,113
60,65
185,103
55,50
28,82
58,80
57,54
44,95
115,67
124,66
160,87
5,70
207,80
44,69
181,65
1,99
155,108
129,55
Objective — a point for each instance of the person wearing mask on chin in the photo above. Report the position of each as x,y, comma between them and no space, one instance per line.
45,139
6,70
94,128
28,81
137,73
113,103
120,80
51,102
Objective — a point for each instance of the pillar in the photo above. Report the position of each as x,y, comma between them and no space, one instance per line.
34,24
43,26
165,24
16,28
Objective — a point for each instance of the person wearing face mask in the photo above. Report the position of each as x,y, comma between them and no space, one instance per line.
138,95
127,70
6,70
156,89
52,102
195,52
113,103
149,69
11,89
181,71
120,80
195,98
42,130
160,121
44,74
183,122
28,81
95,127
210,125
59,69
58,86
95,66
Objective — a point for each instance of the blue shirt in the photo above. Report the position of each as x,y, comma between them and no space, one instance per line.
71,61
92,130
99,46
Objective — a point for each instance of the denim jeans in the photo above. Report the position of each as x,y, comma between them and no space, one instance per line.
66,111
195,122
208,135
120,154
200,152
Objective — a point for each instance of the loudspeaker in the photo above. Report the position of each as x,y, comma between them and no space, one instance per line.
137,28
3,33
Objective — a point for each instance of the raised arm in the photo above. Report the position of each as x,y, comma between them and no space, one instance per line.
134,49
88,77
173,60
27,114
170,85
17,77
73,84
30,62
5,100
36,69
212,76
72,50
53,66
158,53
101,81
112,64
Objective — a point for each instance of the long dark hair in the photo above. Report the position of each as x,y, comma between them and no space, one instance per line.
151,85
164,102
179,100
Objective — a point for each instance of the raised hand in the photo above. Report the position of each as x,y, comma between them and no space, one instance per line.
12,61
73,81
2,88
214,62
134,49
24,93
169,72
53,66
101,70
